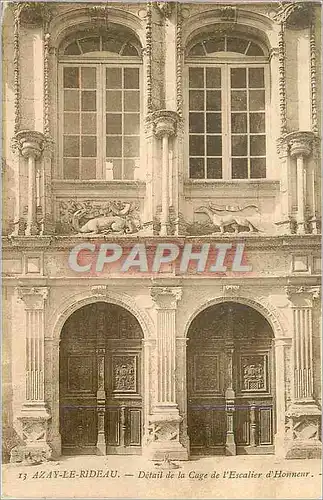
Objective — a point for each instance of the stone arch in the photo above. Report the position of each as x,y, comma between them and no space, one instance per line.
255,25
266,310
78,18
77,301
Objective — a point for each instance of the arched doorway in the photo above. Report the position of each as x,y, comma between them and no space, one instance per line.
101,381
230,374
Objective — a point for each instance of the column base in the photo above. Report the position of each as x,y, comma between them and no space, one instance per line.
162,441
35,450
303,431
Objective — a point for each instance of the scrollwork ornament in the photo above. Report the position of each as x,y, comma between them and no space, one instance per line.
16,66
282,79
313,79
179,60
46,81
148,55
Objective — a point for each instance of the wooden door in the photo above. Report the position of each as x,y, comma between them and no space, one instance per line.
230,384
100,382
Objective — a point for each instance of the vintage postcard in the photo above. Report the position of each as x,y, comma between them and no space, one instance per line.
161,249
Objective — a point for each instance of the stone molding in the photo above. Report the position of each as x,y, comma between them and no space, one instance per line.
261,305
33,297
166,297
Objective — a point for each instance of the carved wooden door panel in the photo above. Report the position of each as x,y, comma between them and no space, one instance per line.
254,398
78,386
230,395
206,399
124,400
100,382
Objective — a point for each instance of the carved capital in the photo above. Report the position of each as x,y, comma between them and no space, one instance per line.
33,297
300,143
312,292
166,297
164,122
29,143
297,144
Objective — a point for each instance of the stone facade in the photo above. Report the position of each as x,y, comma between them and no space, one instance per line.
46,215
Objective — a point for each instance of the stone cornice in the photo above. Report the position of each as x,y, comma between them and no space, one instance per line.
306,242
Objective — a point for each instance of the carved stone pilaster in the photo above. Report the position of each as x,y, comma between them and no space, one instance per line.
164,422
34,415
303,299
303,416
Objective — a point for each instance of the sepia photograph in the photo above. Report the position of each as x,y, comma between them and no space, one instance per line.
161,249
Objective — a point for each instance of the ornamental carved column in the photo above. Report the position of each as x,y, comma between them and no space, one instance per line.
298,184
34,414
303,416
300,150
165,128
164,422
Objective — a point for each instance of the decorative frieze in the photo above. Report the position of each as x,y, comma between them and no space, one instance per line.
115,216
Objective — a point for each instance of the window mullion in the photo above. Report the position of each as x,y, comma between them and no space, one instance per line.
103,120
205,129
248,122
226,122
100,120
